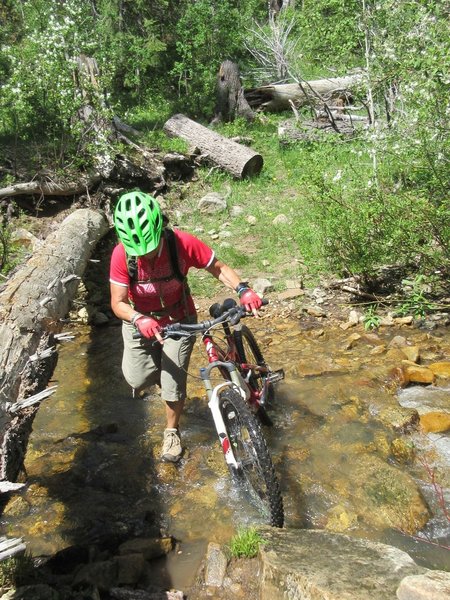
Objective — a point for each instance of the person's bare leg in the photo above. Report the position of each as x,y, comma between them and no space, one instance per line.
173,413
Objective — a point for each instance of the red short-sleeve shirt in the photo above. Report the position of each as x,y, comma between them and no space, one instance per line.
148,296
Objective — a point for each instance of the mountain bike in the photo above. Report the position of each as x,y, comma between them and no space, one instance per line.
236,402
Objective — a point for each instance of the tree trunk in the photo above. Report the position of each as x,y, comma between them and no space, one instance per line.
50,188
277,97
32,305
238,160
231,102
98,129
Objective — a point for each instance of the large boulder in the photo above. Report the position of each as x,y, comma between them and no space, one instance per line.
316,565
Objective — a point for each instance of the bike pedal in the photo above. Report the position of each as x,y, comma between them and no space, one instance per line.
275,376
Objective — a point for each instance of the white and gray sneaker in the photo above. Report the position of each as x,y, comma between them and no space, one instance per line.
171,450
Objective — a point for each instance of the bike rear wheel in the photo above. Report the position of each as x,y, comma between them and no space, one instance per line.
251,452
249,352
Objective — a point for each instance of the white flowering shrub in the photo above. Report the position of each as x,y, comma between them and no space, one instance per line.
40,92
389,200
38,59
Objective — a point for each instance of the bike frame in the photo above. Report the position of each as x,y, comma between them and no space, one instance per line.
215,354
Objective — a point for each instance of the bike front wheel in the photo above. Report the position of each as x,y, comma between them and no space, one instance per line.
249,352
250,451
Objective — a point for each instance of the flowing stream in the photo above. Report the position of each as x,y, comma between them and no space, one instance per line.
92,462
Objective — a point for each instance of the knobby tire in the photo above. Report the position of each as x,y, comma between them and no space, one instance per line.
250,450
249,352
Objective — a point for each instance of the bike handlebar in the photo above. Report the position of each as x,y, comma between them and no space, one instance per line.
233,314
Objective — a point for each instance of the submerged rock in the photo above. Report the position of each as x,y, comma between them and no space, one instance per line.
385,496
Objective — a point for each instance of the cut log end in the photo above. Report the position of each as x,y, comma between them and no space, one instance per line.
253,166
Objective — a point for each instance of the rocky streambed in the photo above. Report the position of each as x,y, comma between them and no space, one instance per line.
360,444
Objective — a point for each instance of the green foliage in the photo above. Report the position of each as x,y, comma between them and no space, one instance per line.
129,44
4,247
246,543
208,33
416,303
411,57
330,35
16,571
371,319
349,205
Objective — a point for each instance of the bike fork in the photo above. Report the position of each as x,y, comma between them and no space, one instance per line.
213,403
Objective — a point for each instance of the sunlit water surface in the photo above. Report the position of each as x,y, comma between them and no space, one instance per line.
93,470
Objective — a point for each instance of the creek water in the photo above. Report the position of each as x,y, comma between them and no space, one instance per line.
93,470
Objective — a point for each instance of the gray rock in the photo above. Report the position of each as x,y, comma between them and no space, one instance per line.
261,285
24,238
289,294
125,594
236,211
216,565
314,565
130,568
212,203
280,220
397,342
434,585
101,574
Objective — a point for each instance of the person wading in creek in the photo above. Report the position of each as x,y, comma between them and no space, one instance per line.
149,290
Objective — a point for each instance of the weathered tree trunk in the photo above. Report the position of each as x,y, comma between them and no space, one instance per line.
97,128
276,6
238,160
32,305
277,97
231,102
50,188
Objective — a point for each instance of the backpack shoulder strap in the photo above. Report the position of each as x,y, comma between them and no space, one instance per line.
132,268
170,238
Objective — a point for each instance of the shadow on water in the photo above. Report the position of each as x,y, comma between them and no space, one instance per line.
90,468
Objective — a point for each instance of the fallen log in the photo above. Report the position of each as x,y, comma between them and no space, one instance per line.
277,97
234,158
11,547
32,306
50,188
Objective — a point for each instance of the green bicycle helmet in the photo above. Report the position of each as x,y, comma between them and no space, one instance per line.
138,222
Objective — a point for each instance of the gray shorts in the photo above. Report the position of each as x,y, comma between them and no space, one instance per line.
146,362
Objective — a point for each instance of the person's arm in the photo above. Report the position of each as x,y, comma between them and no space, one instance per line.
224,273
231,279
120,302
121,307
